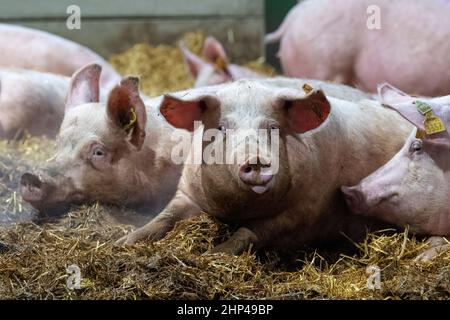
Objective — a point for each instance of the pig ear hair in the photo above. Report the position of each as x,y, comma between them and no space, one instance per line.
182,112
305,113
131,83
84,86
388,94
126,109
214,51
193,62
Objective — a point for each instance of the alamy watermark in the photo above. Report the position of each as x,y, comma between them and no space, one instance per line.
73,21
74,279
374,279
373,21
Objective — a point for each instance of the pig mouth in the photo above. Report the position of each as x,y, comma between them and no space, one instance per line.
383,199
261,188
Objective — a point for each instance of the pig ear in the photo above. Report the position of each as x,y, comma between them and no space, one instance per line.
84,86
214,52
305,113
183,112
409,112
194,62
388,94
126,110
400,102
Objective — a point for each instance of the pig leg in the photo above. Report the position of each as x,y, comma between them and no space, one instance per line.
179,208
9,133
238,242
438,245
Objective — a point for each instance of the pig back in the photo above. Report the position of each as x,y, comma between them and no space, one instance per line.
31,101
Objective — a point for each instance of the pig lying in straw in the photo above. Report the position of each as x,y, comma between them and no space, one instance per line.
116,151
365,42
28,48
216,69
285,191
413,188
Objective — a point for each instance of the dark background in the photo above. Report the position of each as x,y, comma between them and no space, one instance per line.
275,12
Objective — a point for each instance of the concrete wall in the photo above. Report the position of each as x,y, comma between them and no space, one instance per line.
112,26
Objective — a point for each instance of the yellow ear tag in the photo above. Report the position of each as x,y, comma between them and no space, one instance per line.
220,64
132,120
307,88
433,124
420,134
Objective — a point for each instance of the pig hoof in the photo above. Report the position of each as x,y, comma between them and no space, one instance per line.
425,257
126,240
432,253
222,248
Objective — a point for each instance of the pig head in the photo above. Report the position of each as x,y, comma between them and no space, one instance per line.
216,69
102,154
413,188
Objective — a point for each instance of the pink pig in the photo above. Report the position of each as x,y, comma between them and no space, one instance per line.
413,188
291,196
115,151
32,102
217,69
334,40
28,48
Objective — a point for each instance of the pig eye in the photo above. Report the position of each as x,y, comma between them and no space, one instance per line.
98,152
416,147
222,128
99,157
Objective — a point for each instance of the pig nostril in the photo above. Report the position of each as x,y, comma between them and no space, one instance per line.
30,180
355,199
255,174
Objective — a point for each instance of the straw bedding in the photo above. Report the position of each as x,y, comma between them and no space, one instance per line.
34,255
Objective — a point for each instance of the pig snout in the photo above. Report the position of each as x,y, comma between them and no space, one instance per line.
49,194
356,200
32,188
256,173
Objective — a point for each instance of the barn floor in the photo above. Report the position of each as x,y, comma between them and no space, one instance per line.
34,256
